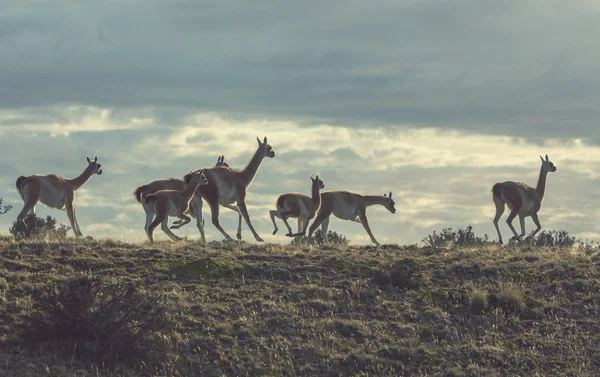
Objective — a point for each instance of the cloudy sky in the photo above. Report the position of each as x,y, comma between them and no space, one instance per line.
435,100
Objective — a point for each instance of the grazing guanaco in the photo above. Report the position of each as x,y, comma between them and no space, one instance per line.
227,186
298,206
165,203
522,199
348,206
55,191
195,210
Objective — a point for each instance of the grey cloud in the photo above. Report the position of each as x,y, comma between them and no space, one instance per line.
517,68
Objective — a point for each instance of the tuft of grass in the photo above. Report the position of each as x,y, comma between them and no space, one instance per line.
479,302
206,267
511,299
381,278
404,274
425,333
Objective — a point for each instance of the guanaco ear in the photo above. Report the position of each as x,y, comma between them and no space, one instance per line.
265,141
257,139
546,157
88,159
390,195
95,158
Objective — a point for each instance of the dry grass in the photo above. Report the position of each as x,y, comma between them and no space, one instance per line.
511,299
271,310
479,302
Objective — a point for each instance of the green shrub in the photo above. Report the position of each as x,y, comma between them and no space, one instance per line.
96,321
332,237
5,208
554,238
479,302
32,227
511,299
403,274
462,237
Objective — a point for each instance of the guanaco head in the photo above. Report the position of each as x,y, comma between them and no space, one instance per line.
547,165
389,203
221,161
317,181
265,147
94,165
198,178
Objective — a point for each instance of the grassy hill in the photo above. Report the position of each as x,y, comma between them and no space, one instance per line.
231,309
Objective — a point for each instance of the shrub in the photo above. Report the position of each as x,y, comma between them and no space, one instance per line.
403,274
478,302
332,237
462,237
33,227
5,208
96,321
589,247
554,238
511,300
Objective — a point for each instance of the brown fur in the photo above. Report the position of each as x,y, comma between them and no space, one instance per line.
178,185
163,184
522,199
163,201
235,182
291,205
54,191
22,180
348,206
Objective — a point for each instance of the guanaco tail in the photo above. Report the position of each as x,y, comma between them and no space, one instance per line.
348,206
522,200
165,203
228,186
195,210
55,191
300,206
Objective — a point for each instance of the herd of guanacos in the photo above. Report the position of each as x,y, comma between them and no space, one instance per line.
221,185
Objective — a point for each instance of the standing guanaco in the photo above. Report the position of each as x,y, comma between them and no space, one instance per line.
298,206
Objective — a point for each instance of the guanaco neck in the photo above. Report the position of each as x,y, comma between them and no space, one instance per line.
79,181
189,190
541,185
250,170
315,195
370,200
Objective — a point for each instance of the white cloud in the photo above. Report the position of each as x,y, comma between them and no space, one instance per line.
439,178
61,121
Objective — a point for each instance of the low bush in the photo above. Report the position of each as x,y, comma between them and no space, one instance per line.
554,238
332,237
461,237
97,321
32,227
5,208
